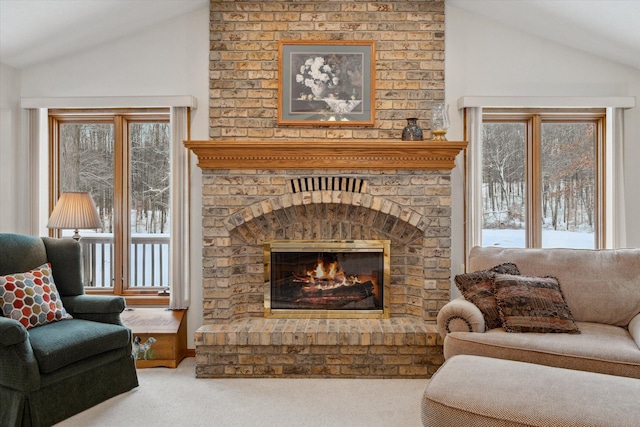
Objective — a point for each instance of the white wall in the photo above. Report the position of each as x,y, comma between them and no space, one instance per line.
13,156
169,59
484,58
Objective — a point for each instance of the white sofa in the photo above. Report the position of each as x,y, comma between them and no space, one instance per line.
602,290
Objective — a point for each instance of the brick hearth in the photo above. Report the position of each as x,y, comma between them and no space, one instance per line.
364,348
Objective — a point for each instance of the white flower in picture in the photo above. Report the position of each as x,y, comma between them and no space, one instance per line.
316,71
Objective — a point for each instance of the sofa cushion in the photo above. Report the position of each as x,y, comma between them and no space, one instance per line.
477,287
65,257
62,343
31,297
598,285
532,304
20,253
598,348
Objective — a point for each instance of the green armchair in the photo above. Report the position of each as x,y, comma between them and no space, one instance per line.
56,370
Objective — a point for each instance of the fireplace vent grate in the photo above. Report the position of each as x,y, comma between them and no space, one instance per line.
330,183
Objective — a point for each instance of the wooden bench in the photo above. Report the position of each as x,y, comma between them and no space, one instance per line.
160,336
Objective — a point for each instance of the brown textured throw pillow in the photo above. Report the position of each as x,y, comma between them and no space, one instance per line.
532,304
477,287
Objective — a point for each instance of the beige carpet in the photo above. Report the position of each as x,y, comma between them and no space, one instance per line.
174,397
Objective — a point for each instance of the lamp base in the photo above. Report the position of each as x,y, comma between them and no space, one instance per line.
439,135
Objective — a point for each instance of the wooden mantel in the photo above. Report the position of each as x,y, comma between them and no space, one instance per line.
325,154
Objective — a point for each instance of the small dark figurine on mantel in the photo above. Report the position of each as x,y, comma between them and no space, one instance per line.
412,131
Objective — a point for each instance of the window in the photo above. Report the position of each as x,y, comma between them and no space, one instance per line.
542,178
122,158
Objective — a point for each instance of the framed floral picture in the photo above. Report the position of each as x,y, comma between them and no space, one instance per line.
326,83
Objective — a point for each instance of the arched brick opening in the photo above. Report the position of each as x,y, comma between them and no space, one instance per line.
321,215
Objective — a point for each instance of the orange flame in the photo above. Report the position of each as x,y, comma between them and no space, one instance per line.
330,271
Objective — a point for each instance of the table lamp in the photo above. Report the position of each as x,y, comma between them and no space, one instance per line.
75,211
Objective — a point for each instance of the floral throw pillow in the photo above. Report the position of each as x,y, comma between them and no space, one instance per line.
532,304
477,287
31,298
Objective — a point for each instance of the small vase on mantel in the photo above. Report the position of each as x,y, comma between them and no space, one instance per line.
412,131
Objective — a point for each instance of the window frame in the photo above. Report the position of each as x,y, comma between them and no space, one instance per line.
120,118
534,118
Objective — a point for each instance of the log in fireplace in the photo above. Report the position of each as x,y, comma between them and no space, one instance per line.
327,279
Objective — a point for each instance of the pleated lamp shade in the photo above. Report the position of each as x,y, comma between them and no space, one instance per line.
75,211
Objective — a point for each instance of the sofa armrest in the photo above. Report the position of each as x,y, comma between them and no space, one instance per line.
97,308
634,329
18,365
460,315
11,332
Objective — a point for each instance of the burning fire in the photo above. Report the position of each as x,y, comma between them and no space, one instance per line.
325,284
328,276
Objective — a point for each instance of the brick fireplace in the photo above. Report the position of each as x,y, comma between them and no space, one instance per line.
243,208
266,182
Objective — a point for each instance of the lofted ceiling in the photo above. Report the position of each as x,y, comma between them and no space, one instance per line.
34,31
606,28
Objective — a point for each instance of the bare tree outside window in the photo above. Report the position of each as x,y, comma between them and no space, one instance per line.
86,164
562,164
504,184
89,160
568,183
150,179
